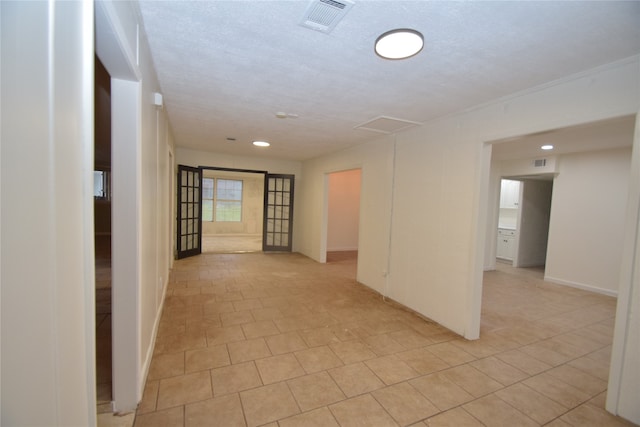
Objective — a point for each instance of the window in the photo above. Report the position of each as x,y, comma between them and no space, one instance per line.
221,200
207,199
101,185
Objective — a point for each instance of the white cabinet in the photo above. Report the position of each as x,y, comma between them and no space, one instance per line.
509,194
506,244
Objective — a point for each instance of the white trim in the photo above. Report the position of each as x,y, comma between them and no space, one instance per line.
343,249
476,262
582,286
112,46
622,395
147,361
126,226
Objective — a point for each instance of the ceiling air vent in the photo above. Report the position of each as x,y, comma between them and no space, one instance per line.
324,15
539,163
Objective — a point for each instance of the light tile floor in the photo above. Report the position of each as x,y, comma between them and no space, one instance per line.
279,340
220,243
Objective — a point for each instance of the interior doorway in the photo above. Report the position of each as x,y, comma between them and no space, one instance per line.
343,215
232,211
102,229
523,220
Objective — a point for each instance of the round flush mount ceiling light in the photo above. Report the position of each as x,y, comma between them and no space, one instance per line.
547,147
283,115
399,44
261,143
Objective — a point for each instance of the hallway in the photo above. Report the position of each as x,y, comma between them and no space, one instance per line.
280,340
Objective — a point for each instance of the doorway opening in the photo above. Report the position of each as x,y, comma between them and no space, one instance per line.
343,216
102,229
523,221
232,210
586,176
206,199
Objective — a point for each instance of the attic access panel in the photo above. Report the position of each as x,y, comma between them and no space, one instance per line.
387,125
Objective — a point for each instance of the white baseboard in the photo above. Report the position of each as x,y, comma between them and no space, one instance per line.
147,361
343,249
582,286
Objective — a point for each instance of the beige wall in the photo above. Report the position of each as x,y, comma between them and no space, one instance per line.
375,160
344,210
252,206
197,158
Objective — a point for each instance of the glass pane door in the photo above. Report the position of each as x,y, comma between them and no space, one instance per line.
278,213
189,222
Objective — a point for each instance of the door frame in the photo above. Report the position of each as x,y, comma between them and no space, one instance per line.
327,208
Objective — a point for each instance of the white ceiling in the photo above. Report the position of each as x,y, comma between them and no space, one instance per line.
227,67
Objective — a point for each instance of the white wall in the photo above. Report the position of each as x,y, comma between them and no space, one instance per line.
141,223
197,158
344,210
156,142
587,220
440,205
47,253
624,376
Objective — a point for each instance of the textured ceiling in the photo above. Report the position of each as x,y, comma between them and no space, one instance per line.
227,67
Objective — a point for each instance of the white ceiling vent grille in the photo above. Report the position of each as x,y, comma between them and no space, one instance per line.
539,163
324,15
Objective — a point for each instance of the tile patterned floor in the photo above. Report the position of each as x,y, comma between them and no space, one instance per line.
279,340
220,243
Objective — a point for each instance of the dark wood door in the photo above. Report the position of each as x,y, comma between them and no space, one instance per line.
189,219
278,213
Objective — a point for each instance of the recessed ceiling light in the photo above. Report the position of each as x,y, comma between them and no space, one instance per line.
547,147
399,44
283,115
261,143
